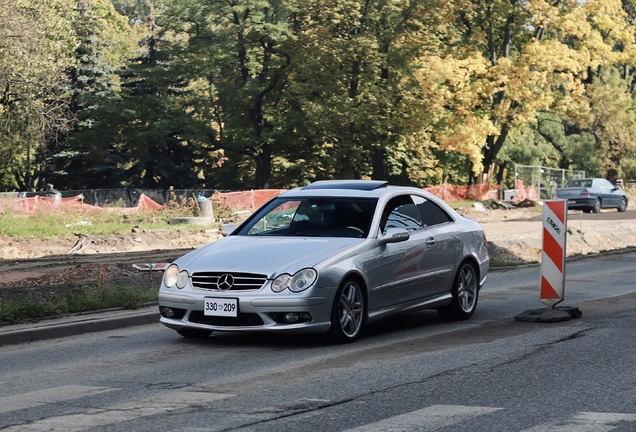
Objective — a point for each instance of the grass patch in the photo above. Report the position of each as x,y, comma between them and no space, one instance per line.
460,204
48,225
75,300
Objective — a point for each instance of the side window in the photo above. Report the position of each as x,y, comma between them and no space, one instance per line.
608,185
400,212
431,213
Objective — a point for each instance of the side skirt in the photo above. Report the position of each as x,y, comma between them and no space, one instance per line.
412,306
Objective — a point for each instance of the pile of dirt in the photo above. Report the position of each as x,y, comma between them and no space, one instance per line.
138,239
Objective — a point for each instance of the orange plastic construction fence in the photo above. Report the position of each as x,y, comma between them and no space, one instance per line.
29,206
449,192
246,200
525,192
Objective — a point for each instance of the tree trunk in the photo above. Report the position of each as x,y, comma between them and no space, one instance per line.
378,164
263,167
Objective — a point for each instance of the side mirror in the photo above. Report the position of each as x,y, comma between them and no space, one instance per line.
394,235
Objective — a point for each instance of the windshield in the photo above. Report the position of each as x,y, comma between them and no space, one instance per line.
312,217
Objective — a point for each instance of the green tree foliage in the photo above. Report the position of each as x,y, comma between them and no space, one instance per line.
277,93
37,40
355,87
90,156
238,53
154,129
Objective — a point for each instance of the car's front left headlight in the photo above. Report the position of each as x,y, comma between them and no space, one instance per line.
296,283
302,280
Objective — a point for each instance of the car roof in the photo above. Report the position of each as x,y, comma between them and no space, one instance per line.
366,185
358,189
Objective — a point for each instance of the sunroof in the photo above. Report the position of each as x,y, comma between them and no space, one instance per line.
367,185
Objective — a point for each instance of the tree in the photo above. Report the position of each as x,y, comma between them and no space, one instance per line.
237,53
355,87
36,46
90,156
537,56
154,130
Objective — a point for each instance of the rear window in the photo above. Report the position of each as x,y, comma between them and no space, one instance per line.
579,183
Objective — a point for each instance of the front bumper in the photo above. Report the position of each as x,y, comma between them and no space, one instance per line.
255,312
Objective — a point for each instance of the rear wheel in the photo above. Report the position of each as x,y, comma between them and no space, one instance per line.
465,294
191,333
597,206
347,313
623,206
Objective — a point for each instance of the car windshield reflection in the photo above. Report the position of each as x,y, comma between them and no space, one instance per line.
319,217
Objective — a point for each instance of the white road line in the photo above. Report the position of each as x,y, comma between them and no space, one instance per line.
49,396
427,419
585,422
95,417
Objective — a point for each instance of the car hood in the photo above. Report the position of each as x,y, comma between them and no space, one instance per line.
264,255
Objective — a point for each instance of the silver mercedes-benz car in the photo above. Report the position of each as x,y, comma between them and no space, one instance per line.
328,258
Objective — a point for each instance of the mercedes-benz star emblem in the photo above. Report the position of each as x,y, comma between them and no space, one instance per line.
225,282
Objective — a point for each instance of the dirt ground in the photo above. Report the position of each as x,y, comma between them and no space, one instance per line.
514,237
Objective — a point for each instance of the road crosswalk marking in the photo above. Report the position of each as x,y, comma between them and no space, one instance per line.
431,418
49,396
95,417
427,419
585,422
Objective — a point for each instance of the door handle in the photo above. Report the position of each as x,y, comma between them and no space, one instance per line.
430,241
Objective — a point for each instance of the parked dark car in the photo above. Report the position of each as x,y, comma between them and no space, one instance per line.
592,195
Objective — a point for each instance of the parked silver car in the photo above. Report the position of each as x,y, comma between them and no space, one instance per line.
592,195
327,258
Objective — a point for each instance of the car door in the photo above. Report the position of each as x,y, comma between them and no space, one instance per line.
404,265
613,193
445,246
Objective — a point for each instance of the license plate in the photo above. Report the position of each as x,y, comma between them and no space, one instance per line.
220,307
571,201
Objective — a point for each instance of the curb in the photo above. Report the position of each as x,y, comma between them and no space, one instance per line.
76,325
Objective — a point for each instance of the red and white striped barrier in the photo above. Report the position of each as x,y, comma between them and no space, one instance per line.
555,214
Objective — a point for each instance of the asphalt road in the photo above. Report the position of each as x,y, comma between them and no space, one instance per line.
414,372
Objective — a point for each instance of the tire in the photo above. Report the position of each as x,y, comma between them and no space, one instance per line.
465,294
623,206
191,333
597,206
347,313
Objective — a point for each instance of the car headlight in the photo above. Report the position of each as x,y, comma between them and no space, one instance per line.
170,275
182,279
302,280
281,282
297,283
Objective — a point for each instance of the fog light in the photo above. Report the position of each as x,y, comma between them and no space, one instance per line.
291,317
167,312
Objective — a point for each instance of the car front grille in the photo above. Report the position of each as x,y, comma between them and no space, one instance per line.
241,281
243,319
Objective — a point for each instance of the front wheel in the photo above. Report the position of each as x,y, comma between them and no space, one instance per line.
465,294
347,313
623,205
